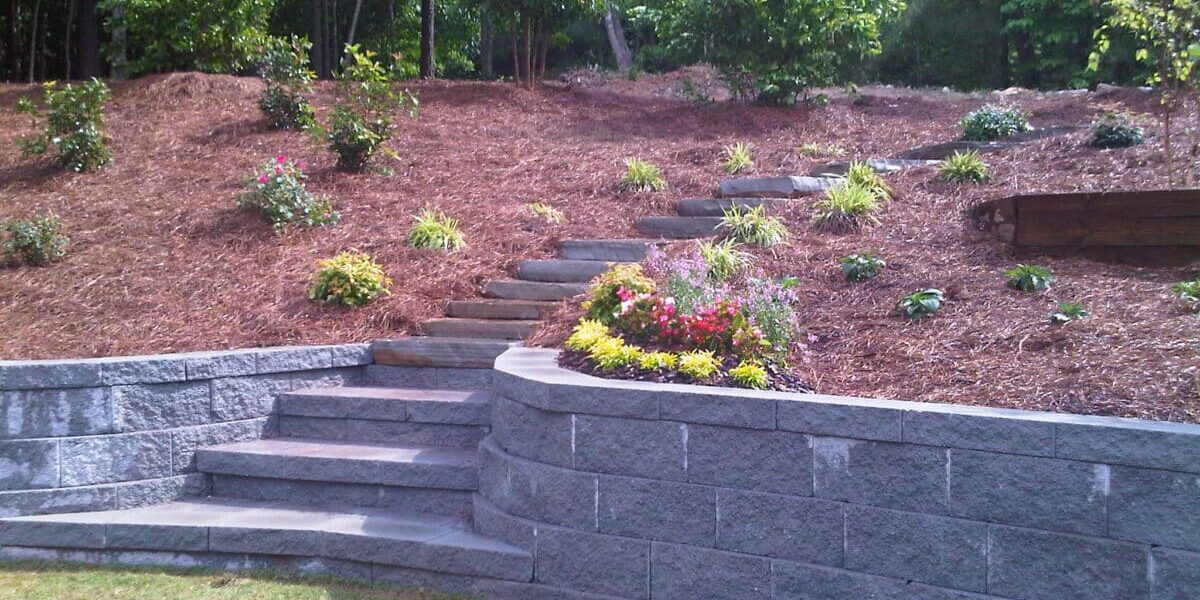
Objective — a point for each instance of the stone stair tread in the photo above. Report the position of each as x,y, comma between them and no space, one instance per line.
456,327
514,289
629,250
491,308
562,270
673,227
445,352
716,207
417,540
417,405
372,463
879,165
775,187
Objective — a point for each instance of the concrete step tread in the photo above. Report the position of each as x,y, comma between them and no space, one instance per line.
490,308
775,187
457,327
562,270
514,289
716,207
444,352
675,227
418,405
418,540
630,250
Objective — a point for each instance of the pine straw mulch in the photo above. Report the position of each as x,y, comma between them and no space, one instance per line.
162,261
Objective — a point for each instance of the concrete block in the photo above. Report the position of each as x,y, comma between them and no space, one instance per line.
44,374
590,562
900,476
1155,507
55,413
846,418
186,440
1148,444
51,534
931,549
263,540
537,492
236,398
214,365
1016,434
653,449
137,494
532,433
429,377
658,510
293,358
794,581
1042,493
1174,574
769,461
425,434
350,355
689,573
176,538
1039,565
28,465
113,458
801,529
142,369
147,407
560,391
55,501
743,410
492,522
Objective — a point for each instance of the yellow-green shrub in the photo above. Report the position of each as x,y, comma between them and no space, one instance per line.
350,279
613,353
699,364
586,334
658,361
750,374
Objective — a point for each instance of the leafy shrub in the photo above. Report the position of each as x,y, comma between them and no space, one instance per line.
277,190
587,333
991,123
433,230
641,176
964,167
699,364
1115,131
283,65
750,374
349,279
724,259
657,361
846,207
861,267
1067,312
604,302
752,225
613,353
737,159
861,174
545,212
1029,278
770,306
922,303
74,126
35,242
1188,292
362,120
814,150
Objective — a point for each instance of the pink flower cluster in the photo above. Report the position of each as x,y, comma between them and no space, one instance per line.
721,326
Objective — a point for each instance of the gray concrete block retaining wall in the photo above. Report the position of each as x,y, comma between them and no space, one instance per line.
638,490
99,434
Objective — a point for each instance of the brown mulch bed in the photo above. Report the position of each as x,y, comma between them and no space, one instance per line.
162,260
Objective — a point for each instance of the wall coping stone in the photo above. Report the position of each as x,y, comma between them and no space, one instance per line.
533,377
169,368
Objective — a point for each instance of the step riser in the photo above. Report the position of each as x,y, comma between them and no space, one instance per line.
484,330
529,290
339,471
679,228
429,377
455,503
718,207
361,430
615,251
439,352
561,271
415,411
493,309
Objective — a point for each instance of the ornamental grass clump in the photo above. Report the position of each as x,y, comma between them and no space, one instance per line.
725,259
863,175
433,230
74,128
37,242
277,191
544,212
846,207
964,167
752,225
641,176
349,279
737,159
991,123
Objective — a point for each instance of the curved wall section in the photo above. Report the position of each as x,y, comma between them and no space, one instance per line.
638,490
100,434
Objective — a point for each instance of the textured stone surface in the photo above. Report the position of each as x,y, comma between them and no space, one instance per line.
1044,493
807,582
1155,445
536,491
678,228
431,434
142,369
211,365
489,520
1174,575
980,432
185,441
136,494
236,398
430,377
590,562
690,573
112,458
1038,565
858,419
532,433
52,501
658,510
615,250
780,187
439,352
562,271
293,358
350,355
898,476
936,550
1156,507
800,529
718,409
41,374
28,464
770,461
343,495
160,406
55,413
566,397
653,449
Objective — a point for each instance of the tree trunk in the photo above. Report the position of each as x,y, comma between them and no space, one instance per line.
71,10
118,38
516,55
543,45
89,39
33,41
527,59
616,38
354,22
427,41
486,36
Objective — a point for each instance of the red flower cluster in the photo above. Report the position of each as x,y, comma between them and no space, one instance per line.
721,327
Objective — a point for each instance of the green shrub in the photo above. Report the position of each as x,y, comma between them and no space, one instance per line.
657,361
1067,312
737,159
74,126
604,303
861,267
922,303
349,279
1029,278
750,374
587,333
545,212
283,65
814,150
434,230
362,120
846,207
1188,292
861,174
35,242
699,364
991,123
1115,131
613,353
277,190
964,167
641,176
752,225
724,259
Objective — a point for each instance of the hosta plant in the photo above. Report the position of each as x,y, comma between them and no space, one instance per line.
991,123
737,159
433,230
1029,278
861,266
750,374
1067,312
964,167
724,259
862,174
1189,293
846,207
641,176
921,303
277,191
350,279
1115,131
36,242
752,225
74,128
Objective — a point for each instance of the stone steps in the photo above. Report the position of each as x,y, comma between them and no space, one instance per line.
775,187
678,228
517,310
442,352
511,289
610,250
434,543
489,329
562,270
879,165
717,207
447,407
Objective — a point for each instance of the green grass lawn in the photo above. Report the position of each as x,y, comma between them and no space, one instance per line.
61,581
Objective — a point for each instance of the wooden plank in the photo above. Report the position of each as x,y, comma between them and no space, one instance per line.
1132,204
1091,231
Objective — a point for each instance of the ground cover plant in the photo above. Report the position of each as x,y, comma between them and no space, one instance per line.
1115,131
36,242
277,190
992,123
861,266
1067,312
846,207
737,159
641,176
74,127
964,167
350,279
1189,293
922,303
433,230
545,212
861,174
753,226
1029,278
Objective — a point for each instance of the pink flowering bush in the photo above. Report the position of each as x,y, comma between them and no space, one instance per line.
277,190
